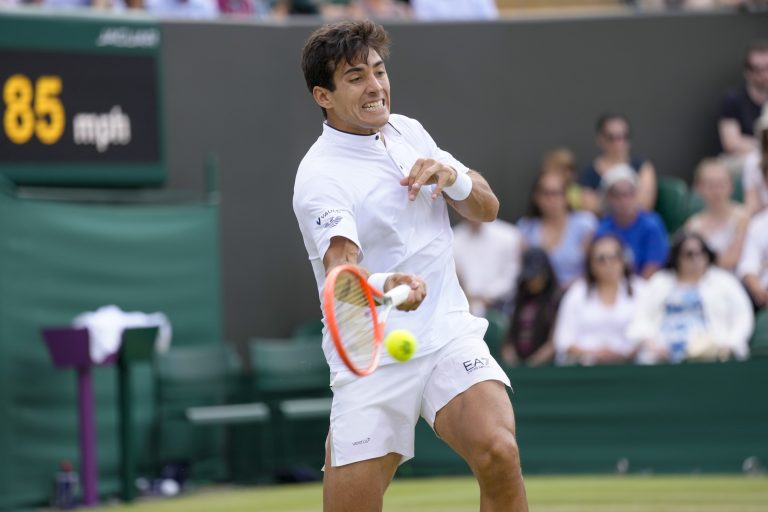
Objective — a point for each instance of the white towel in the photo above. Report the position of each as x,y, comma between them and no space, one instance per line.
106,324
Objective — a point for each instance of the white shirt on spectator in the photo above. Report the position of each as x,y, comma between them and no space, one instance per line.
349,186
197,9
754,255
752,177
585,322
487,261
727,310
434,10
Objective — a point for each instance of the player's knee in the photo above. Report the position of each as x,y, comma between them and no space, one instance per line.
499,455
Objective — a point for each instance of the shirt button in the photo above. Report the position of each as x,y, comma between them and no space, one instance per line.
377,137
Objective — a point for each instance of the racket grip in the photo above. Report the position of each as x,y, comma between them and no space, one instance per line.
398,295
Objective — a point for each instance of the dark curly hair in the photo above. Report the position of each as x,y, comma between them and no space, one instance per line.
329,45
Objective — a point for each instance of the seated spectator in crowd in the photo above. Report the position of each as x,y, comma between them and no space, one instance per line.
194,9
642,232
753,267
722,223
460,10
549,224
529,340
487,256
379,9
613,135
741,106
563,160
755,177
693,310
597,309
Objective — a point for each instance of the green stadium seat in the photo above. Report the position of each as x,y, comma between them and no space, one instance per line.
758,345
498,324
196,387
291,376
672,202
308,328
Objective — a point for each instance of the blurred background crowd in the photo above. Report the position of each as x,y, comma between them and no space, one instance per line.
598,271
422,10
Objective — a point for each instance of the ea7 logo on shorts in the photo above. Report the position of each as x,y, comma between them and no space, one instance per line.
327,220
476,364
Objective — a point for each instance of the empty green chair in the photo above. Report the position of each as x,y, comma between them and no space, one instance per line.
291,375
498,325
672,202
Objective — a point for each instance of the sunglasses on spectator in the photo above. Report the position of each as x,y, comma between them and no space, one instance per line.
691,254
614,137
606,257
550,191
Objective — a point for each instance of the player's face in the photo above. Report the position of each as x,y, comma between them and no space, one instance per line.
360,103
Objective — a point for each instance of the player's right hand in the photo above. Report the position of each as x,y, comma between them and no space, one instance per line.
418,289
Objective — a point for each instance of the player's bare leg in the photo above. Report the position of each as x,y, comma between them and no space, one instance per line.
357,487
479,425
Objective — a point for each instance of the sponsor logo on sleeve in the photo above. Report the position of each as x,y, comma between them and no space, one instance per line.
329,219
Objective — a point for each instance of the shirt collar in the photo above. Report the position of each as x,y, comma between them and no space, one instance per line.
360,141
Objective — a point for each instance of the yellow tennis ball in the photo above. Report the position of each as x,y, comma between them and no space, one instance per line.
401,344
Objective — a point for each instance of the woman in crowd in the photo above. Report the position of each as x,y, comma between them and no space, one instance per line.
613,137
755,177
722,223
692,310
596,310
549,224
529,340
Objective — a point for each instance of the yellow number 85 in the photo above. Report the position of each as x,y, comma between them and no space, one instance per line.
21,120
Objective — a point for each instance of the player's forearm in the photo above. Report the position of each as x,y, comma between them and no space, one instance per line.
341,252
481,205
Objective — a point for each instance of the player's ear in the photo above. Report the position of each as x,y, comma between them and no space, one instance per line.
322,96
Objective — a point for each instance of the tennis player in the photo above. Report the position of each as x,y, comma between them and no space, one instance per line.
373,190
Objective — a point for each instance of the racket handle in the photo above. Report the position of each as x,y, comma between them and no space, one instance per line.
397,295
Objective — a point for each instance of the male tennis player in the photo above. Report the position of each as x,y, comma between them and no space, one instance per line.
373,190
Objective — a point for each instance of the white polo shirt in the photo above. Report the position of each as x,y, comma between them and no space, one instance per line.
754,254
349,185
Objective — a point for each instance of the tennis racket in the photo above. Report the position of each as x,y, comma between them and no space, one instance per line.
355,313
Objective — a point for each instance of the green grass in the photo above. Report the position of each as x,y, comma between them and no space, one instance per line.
545,494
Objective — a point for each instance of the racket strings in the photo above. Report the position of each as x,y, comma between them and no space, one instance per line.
354,319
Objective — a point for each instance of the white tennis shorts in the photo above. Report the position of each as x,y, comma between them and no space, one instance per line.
376,415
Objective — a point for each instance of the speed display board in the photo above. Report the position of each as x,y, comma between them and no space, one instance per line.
80,102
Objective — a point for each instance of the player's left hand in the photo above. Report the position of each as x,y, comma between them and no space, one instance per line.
427,171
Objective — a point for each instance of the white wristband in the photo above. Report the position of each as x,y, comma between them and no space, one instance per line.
461,188
378,279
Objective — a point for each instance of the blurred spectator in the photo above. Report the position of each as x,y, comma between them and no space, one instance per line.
194,9
693,310
549,224
741,106
435,10
755,177
613,135
642,232
596,310
487,256
529,340
753,267
379,9
563,160
283,8
722,222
